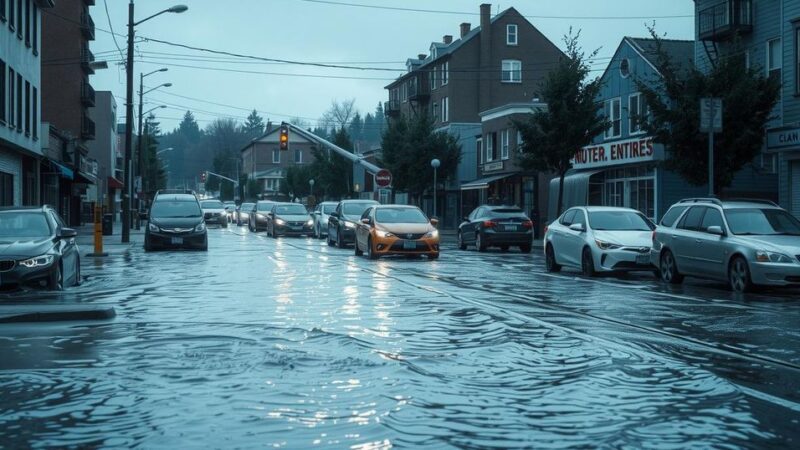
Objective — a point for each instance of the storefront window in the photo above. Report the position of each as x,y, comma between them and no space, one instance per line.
632,187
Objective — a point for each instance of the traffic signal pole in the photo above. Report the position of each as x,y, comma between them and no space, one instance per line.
358,159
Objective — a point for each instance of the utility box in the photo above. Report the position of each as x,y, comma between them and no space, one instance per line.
108,224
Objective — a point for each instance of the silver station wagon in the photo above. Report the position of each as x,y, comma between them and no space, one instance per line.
743,242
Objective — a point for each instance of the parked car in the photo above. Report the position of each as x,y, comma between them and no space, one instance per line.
396,230
175,221
745,243
214,212
599,239
257,217
320,215
243,213
37,247
230,210
289,219
496,226
342,221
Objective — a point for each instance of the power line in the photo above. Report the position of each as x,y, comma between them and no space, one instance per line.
111,27
434,11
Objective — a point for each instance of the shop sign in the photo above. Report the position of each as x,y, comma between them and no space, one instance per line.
491,167
783,138
617,153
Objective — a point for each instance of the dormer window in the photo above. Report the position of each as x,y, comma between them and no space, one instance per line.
511,34
433,52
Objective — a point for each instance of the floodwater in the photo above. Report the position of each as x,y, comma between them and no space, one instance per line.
290,343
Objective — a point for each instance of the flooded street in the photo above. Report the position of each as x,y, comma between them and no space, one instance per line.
287,342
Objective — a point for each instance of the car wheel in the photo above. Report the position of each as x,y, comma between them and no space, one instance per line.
330,241
271,232
481,246
358,250
339,241
147,246
739,275
461,244
370,253
55,282
669,269
526,248
550,259
587,263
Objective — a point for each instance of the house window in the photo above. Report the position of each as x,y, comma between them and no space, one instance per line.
11,15
433,78
276,156
512,71
298,156
511,34
774,60
445,74
479,148
625,68
35,115
2,85
28,23
519,141
504,144
11,98
27,108
19,19
491,150
769,163
445,109
3,10
637,113
19,92
35,29
613,113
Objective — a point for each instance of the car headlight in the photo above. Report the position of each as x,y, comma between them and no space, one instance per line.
772,257
200,226
432,234
279,221
310,222
606,245
261,216
153,227
349,224
383,234
39,261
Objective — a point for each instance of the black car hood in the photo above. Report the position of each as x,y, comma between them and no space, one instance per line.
176,222
19,248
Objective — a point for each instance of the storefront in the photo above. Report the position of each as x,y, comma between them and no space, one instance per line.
784,145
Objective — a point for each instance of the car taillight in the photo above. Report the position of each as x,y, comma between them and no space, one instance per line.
488,224
527,224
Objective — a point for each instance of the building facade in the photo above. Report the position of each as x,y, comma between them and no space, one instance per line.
105,151
502,61
67,94
20,102
768,33
262,160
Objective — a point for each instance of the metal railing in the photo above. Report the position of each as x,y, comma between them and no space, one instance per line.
87,128
87,94
87,26
722,19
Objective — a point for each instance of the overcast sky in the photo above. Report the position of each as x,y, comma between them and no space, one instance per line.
321,31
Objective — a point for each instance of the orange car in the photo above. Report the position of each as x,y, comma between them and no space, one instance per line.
396,230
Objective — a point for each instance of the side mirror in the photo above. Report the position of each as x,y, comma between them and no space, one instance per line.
434,221
143,215
67,233
366,221
577,227
715,229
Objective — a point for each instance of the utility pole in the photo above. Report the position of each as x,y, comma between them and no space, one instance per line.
126,196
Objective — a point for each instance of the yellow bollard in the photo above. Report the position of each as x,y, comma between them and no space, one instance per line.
98,232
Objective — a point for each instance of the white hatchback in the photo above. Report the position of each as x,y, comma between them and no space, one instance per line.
599,239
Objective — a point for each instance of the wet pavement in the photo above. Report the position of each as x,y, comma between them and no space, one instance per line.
291,343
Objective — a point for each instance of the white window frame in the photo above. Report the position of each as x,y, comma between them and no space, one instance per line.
504,152
512,67
445,72
519,141
609,110
489,147
276,152
779,65
510,33
297,152
479,147
445,117
633,127
433,73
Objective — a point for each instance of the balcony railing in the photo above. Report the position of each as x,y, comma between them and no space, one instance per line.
87,128
87,94
418,88
725,19
87,58
391,108
87,26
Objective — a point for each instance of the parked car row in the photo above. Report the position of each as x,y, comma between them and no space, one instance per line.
745,243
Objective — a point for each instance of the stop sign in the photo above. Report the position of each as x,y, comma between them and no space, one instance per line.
383,178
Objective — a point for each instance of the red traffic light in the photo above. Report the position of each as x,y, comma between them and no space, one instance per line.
203,177
283,140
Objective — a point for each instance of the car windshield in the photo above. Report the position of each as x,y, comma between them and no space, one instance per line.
174,208
506,213
291,209
766,221
355,209
246,207
212,204
264,206
327,209
400,215
619,221
23,224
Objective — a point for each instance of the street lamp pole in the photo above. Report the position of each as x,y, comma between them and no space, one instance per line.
126,197
435,163
140,156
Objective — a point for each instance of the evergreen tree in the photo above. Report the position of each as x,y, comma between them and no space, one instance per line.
356,128
253,126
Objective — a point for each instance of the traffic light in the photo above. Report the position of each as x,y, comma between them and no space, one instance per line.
203,176
284,137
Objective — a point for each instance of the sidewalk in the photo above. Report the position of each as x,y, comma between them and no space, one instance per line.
111,244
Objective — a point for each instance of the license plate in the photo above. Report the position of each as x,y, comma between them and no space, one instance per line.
510,228
642,259
409,245
297,228
177,241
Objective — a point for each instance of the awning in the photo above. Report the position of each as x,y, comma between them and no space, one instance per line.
114,183
85,178
62,170
483,183
576,192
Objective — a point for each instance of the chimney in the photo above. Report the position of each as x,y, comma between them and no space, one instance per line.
421,56
447,39
484,80
465,27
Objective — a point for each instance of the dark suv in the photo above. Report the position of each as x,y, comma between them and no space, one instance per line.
175,220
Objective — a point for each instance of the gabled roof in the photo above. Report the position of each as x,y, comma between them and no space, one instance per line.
681,52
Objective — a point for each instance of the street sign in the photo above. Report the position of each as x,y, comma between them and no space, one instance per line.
711,115
383,178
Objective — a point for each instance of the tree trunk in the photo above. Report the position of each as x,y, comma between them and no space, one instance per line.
560,195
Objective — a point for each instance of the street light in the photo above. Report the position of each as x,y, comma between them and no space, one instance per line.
126,198
435,163
140,153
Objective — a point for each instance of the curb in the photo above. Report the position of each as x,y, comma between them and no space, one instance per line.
60,315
